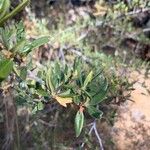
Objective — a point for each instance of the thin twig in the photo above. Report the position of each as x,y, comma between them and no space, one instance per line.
86,59
146,30
98,137
142,10
47,124
84,35
61,50
93,127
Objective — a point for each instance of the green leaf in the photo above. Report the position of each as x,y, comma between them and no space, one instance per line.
2,5
98,98
76,63
39,42
4,37
20,34
19,47
57,68
42,92
58,71
35,44
49,82
34,110
40,106
23,73
100,94
79,121
13,12
65,93
4,8
94,112
21,101
6,67
88,79
76,99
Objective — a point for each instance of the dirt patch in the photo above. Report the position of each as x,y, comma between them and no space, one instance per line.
132,126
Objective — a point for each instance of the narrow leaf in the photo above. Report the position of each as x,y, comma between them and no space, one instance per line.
4,8
35,44
39,42
23,73
94,112
88,79
49,81
79,121
100,95
14,11
65,94
6,67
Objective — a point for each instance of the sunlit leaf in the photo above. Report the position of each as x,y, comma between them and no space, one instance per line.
100,10
6,67
63,101
88,79
40,106
5,4
36,43
79,122
4,16
34,110
49,82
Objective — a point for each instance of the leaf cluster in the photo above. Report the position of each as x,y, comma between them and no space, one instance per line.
15,47
77,86
5,14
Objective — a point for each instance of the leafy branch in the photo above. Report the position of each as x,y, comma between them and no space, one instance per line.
7,15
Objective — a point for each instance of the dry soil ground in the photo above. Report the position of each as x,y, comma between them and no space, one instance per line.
131,130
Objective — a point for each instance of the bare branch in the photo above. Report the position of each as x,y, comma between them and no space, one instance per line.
88,60
133,12
146,30
93,127
98,137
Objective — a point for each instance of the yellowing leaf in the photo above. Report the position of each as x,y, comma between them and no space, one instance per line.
63,101
101,13
100,10
7,54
